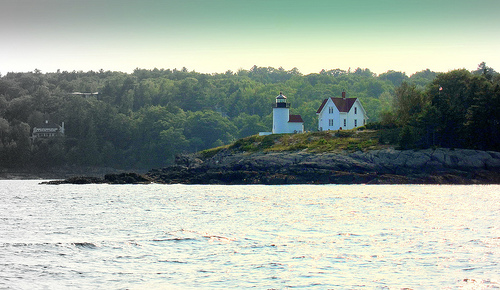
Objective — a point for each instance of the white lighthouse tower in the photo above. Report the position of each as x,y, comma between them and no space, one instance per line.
283,122
281,113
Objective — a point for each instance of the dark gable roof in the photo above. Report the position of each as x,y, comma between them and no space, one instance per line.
322,105
343,105
48,125
295,119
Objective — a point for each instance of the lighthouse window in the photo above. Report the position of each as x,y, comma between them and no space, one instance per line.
330,122
330,110
355,110
345,123
355,123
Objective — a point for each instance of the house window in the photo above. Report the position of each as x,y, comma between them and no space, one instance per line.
330,110
355,110
330,122
345,122
355,123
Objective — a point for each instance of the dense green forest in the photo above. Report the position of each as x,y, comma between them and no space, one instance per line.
142,119
458,109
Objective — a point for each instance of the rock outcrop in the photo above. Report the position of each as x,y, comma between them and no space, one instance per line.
430,166
387,166
120,178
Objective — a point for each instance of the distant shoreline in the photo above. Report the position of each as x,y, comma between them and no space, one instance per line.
62,172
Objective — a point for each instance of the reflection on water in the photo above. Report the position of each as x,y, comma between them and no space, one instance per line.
179,236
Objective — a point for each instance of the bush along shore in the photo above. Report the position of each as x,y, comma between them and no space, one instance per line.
379,166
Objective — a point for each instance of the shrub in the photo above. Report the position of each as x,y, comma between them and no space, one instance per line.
344,133
267,142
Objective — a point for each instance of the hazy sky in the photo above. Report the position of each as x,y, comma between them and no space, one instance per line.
220,35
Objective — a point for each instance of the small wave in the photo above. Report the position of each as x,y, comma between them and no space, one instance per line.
23,244
85,245
173,261
78,245
174,240
487,242
220,239
479,283
206,271
348,235
208,236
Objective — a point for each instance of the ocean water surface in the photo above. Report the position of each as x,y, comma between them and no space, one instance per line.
218,237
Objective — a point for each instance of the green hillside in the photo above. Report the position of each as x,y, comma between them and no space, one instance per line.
141,120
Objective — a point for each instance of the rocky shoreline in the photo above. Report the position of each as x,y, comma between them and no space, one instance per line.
60,172
386,166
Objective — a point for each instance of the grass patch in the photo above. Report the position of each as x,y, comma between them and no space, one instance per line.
255,143
208,153
327,141
318,142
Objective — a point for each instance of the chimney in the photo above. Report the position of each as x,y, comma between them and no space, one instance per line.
343,95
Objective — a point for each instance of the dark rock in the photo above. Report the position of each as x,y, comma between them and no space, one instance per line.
188,160
76,180
126,178
388,166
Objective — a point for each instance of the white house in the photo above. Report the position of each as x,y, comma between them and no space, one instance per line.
86,95
47,130
283,122
341,113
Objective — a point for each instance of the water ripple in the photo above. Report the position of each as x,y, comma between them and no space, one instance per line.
264,237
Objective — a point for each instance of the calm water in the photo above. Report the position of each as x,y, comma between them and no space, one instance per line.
182,237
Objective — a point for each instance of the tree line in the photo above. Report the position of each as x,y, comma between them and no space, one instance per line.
142,119
458,109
